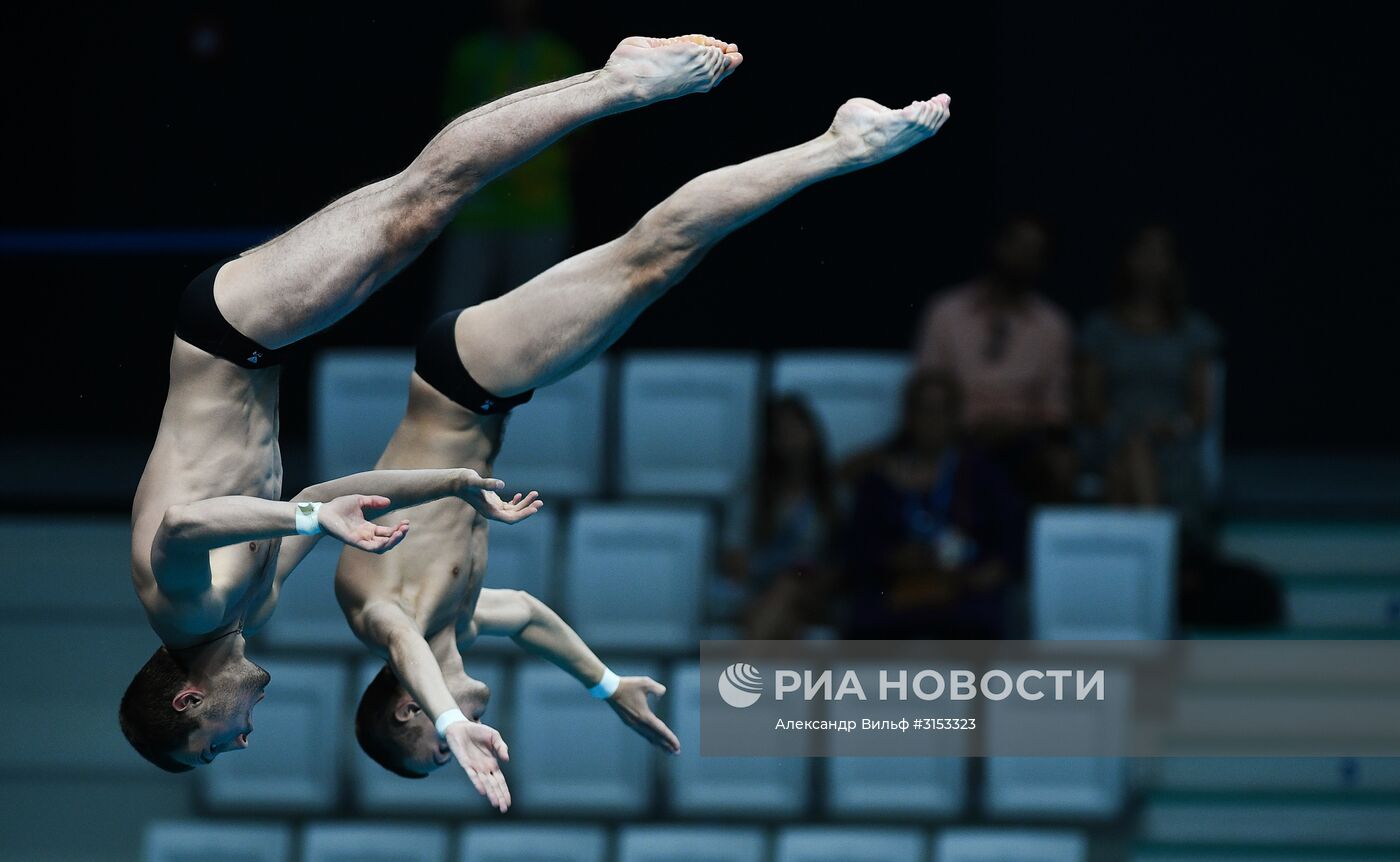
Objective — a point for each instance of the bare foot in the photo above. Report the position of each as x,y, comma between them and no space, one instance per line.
653,70
868,132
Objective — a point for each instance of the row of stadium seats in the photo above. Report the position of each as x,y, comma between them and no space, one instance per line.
631,576
199,841
681,424
685,423
572,756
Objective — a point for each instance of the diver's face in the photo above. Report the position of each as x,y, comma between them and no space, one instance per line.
226,716
426,752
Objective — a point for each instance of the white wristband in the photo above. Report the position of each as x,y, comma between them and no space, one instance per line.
606,686
451,717
308,523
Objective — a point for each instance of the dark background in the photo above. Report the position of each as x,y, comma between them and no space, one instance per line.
1267,135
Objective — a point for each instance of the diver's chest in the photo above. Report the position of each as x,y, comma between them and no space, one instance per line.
248,568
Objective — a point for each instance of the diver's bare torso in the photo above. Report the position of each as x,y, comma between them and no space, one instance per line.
435,578
217,437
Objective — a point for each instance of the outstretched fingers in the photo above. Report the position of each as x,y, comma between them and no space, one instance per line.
662,736
389,531
492,785
383,538
520,507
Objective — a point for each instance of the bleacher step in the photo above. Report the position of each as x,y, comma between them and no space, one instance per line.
1340,774
1197,853
1364,602
1353,820
1288,548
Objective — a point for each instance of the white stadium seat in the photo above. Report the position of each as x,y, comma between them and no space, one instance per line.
522,556
690,844
535,842
1004,845
41,738
445,791
855,395
1102,574
293,758
851,844
358,398
1089,788
380,842
571,753
890,786
633,574
215,841
771,786
687,423
554,443
72,565
307,615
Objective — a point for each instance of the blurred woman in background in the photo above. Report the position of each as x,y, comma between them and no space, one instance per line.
935,532
786,570
1146,363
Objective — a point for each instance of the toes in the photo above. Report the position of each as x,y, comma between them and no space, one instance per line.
715,64
925,114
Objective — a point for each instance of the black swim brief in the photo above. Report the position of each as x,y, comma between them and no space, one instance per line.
200,323
440,365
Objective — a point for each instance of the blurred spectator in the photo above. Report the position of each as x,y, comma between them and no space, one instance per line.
935,536
517,226
785,570
1009,349
1146,365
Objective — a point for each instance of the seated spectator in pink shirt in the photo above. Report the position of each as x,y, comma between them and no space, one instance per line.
1010,350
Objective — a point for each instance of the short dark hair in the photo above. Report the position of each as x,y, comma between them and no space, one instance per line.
375,728
148,720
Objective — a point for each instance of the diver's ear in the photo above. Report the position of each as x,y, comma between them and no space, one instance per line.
187,698
406,710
